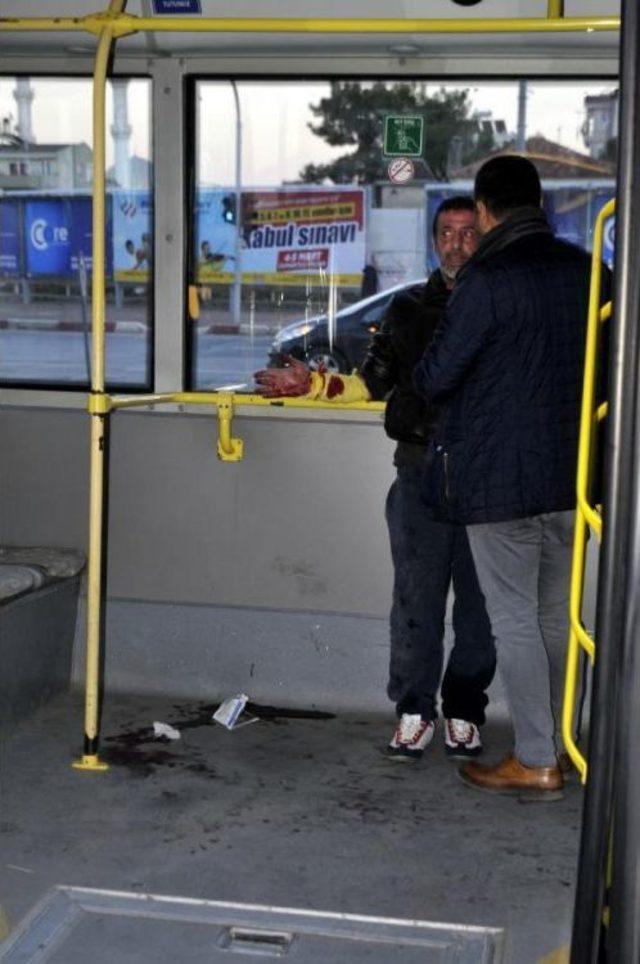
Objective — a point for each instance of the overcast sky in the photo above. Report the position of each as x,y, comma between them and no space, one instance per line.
276,140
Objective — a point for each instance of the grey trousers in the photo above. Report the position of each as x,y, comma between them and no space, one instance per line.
524,569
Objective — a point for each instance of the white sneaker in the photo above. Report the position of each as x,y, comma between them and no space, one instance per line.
412,735
461,738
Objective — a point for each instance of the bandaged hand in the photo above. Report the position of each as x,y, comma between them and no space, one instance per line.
291,381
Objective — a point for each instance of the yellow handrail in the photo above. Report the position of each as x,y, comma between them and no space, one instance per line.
216,398
122,24
89,759
587,516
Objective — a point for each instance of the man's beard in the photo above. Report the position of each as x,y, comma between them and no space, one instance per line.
449,274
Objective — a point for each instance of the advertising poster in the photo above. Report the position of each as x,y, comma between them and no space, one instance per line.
81,234
609,242
294,234
571,208
215,236
572,212
57,231
48,237
291,236
600,198
10,266
132,217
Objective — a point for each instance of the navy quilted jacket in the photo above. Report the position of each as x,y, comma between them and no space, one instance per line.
506,366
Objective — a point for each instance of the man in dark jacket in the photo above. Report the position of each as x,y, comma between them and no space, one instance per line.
427,555
506,365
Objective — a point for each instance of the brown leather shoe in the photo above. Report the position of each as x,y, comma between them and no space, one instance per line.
515,779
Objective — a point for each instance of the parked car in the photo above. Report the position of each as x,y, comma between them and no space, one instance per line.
309,340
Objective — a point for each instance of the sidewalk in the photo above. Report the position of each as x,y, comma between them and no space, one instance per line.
132,319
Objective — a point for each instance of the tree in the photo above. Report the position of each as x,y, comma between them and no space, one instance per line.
353,114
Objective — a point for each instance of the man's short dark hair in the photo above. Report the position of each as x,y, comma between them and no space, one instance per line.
508,182
461,202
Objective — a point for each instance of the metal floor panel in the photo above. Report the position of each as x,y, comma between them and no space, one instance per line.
74,924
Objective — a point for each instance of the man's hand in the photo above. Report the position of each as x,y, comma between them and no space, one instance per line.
292,380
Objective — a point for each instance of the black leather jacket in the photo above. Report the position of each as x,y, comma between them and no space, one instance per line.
407,328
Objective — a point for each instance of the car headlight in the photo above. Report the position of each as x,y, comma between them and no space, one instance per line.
295,331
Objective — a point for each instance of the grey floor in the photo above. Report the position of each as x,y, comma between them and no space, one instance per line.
297,812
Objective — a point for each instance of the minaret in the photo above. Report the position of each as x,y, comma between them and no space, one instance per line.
121,132
23,96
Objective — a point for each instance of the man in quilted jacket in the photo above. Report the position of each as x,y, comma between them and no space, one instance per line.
427,555
506,366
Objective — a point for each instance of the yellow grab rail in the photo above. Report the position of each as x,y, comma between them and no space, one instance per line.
588,517
229,449
120,24
95,601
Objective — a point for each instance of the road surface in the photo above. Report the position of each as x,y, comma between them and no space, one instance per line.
58,357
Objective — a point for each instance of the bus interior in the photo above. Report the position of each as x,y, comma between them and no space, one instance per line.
237,547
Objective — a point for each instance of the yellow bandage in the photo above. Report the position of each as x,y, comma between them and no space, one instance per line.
328,387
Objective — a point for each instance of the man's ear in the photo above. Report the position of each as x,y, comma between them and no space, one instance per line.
483,217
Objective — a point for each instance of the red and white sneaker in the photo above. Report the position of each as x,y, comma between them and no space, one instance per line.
412,736
461,738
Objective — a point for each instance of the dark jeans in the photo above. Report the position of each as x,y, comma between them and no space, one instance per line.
427,555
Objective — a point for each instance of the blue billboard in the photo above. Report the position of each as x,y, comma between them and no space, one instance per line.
571,208
48,237
10,260
57,231
81,233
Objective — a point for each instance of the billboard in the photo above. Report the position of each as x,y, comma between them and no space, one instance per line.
57,231
10,259
287,236
609,241
572,212
571,207
215,236
132,235
48,237
81,233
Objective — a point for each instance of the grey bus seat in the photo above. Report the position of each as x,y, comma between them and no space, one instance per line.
38,609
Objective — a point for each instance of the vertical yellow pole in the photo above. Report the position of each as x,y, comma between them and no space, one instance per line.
584,472
555,9
99,411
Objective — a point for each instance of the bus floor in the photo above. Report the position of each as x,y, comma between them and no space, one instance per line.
296,812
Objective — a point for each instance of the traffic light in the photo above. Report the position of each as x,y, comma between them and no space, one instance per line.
229,208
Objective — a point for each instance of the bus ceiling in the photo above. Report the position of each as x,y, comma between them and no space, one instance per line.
269,26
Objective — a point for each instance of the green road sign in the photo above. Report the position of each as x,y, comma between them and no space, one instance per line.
403,135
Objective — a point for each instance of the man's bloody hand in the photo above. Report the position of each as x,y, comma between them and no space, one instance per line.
291,381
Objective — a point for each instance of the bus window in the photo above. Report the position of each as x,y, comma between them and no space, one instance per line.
46,176
299,213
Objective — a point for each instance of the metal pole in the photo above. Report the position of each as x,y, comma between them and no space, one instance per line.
99,412
616,697
313,25
236,293
521,136
555,9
